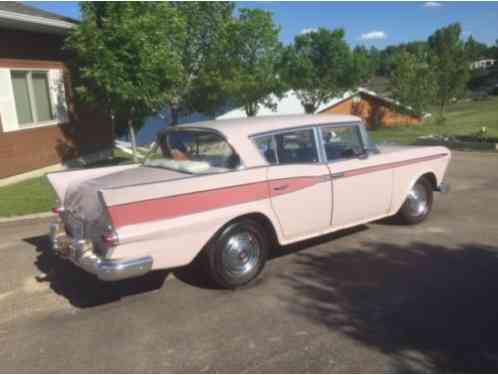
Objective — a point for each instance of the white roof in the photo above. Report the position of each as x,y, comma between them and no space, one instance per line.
238,131
288,105
236,128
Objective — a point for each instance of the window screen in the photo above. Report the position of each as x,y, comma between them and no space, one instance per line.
21,96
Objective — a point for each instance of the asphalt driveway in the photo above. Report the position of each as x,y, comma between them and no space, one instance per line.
381,297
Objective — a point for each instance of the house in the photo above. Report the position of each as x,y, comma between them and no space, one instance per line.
376,110
41,124
482,64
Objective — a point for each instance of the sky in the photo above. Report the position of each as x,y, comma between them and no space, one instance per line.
376,24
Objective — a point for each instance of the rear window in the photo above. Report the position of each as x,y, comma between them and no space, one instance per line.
193,151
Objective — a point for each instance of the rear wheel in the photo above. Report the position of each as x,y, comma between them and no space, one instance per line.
238,254
418,203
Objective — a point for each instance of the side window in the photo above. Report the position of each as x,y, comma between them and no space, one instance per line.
296,147
266,147
342,142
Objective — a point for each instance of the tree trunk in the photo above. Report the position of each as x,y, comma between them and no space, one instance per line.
173,109
309,108
131,132
441,110
251,109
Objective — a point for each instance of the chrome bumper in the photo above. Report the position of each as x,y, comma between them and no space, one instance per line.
443,188
80,253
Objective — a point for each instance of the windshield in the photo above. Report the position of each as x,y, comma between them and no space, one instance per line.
192,151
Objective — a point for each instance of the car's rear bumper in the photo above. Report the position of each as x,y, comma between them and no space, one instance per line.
80,252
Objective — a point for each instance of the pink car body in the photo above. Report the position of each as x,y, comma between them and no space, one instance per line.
155,219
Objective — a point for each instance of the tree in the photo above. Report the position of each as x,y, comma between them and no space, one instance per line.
129,60
412,82
474,50
363,63
449,64
253,51
319,66
203,57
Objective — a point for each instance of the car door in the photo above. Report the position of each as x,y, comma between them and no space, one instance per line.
361,190
299,183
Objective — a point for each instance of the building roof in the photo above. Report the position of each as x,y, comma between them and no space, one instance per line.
372,94
288,104
245,127
19,16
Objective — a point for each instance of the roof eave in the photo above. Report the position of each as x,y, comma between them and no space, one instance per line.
12,20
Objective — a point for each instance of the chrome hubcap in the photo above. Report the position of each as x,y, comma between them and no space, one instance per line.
241,254
417,201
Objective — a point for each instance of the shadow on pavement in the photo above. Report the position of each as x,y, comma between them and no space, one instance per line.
427,306
82,289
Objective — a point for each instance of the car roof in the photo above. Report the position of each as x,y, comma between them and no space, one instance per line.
246,127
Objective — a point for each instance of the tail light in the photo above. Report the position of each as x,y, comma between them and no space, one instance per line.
110,238
58,210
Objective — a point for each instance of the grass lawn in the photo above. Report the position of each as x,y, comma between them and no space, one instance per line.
463,118
26,197
36,195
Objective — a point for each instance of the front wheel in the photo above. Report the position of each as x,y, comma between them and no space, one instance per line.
238,254
418,203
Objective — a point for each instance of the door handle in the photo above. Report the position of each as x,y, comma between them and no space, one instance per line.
281,187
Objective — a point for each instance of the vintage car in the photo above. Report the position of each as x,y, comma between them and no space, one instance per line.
230,191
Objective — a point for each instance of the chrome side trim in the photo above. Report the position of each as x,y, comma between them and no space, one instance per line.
337,175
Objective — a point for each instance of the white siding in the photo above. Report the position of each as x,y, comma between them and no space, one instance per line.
7,103
58,95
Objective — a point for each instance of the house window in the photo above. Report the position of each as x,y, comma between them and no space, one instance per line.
32,97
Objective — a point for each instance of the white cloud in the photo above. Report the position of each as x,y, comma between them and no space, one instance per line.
373,35
432,4
308,30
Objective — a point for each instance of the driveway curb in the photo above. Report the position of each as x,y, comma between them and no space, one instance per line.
41,215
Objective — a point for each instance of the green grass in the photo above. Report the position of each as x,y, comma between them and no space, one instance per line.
36,195
26,197
463,118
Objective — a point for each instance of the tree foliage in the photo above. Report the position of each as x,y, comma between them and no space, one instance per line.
412,82
319,66
253,53
128,57
448,60
203,56
475,50
364,62
420,49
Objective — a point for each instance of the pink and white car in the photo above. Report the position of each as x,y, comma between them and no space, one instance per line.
229,190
